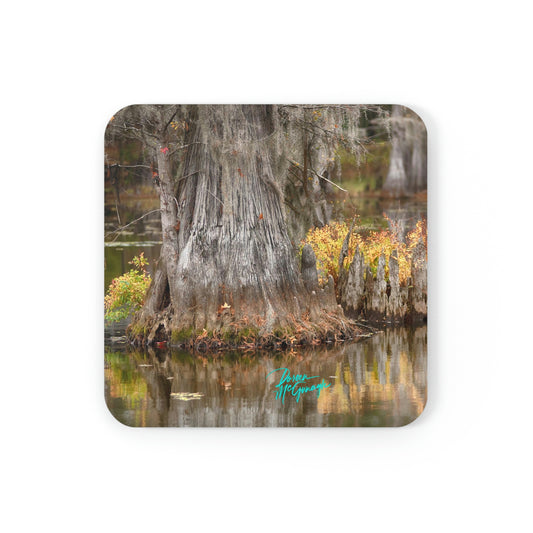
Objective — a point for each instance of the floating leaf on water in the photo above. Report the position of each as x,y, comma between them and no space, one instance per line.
122,244
186,396
117,340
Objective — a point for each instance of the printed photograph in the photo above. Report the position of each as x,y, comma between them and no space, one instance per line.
265,265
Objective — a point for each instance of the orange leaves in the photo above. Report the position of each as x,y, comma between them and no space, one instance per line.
260,216
181,125
419,233
327,244
225,308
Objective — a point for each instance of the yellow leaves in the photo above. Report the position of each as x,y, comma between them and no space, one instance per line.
419,233
327,244
181,125
225,306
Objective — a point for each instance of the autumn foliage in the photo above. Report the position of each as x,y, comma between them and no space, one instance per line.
327,243
126,293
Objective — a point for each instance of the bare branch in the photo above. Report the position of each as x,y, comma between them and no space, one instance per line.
183,146
118,230
170,119
218,199
129,166
318,175
189,175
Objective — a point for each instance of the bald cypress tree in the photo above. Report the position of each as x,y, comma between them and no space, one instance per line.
228,269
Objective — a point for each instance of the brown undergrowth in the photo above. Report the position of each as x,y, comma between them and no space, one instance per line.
246,334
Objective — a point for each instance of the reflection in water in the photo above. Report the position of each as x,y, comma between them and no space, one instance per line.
380,381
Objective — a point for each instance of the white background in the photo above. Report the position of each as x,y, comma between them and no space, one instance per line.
67,465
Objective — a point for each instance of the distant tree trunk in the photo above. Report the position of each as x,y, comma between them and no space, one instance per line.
227,263
407,170
396,182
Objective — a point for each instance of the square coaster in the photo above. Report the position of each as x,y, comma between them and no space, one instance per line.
265,265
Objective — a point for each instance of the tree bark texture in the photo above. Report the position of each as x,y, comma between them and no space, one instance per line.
227,263
386,302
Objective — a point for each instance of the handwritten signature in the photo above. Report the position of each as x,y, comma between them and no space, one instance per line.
296,385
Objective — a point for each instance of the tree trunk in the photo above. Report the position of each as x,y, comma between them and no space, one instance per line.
227,263
396,183
407,170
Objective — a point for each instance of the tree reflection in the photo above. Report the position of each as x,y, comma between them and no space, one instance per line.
380,381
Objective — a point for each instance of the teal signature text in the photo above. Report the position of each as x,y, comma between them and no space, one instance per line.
296,385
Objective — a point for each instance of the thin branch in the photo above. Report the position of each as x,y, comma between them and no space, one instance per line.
189,175
184,146
129,166
118,230
170,119
318,175
216,198
139,134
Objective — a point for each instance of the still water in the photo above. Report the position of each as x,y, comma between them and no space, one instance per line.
378,381
145,234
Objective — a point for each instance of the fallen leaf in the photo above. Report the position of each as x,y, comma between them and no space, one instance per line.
186,396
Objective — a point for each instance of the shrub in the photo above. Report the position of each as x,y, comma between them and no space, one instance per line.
327,243
126,293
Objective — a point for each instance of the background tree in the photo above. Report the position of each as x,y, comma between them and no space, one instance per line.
408,166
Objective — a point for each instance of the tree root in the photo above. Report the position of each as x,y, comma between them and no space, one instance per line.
246,334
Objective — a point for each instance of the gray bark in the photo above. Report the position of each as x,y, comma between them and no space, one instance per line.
379,302
308,268
377,292
397,302
227,257
408,164
353,293
418,296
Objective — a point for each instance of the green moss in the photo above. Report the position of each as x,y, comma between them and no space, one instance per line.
136,330
283,332
238,336
181,335
247,333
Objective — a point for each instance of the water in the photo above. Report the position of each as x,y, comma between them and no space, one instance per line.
145,235
379,381
142,236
